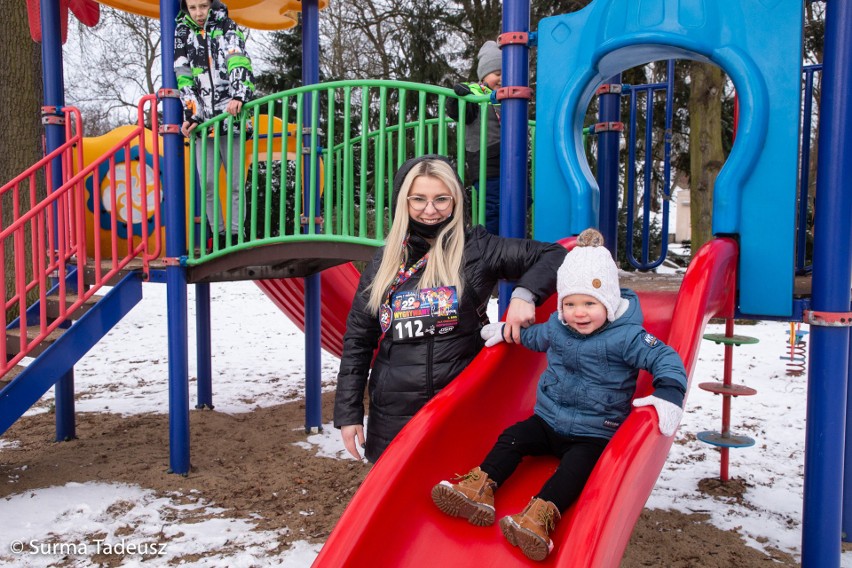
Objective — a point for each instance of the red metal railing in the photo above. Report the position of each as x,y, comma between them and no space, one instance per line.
48,239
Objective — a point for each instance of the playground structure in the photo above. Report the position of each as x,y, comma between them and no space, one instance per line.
727,278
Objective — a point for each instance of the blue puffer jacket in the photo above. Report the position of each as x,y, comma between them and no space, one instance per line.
588,385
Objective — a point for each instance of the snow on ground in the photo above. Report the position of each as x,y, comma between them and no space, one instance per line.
84,519
134,359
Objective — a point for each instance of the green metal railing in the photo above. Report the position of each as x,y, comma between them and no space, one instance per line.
363,132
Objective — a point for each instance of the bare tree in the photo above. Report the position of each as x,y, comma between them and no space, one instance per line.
357,39
338,48
483,21
705,144
110,66
388,39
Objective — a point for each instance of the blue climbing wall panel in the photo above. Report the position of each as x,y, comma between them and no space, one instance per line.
758,44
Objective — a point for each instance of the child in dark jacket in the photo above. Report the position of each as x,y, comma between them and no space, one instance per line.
489,72
595,346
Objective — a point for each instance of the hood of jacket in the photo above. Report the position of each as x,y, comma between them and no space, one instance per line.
218,12
403,170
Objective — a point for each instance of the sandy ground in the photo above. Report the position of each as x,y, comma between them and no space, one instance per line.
237,459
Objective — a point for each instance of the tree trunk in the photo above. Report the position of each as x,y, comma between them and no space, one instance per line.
705,143
21,91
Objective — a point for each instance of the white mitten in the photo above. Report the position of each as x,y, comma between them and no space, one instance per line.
492,333
668,414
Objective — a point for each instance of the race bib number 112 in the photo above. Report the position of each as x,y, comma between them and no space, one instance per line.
422,313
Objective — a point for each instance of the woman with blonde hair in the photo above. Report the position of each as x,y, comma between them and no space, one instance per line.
430,252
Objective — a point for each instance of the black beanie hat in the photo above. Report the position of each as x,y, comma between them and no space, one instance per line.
403,170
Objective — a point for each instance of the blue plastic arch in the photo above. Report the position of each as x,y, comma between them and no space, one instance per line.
758,44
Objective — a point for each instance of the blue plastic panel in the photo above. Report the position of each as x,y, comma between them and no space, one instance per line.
758,44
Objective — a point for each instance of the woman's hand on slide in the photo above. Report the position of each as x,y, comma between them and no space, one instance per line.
519,315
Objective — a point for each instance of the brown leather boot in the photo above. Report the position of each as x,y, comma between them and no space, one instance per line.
530,529
472,498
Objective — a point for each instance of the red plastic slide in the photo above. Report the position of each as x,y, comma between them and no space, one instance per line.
391,520
338,286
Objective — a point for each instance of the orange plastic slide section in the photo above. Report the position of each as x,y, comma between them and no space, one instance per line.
338,285
391,520
255,14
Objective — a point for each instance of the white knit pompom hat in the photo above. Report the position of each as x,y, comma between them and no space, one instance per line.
589,269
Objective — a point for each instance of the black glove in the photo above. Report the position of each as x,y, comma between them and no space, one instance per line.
461,89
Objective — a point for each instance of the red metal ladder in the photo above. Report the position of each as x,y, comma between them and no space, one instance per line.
725,439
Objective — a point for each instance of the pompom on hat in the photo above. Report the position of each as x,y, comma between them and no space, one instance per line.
490,59
589,269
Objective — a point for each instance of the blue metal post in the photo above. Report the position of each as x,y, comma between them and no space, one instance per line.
203,346
53,81
175,222
829,348
646,181
514,139
66,423
54,101
54,84
313,288
609,110
203,335
846,510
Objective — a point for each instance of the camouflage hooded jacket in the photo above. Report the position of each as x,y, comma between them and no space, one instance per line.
211,64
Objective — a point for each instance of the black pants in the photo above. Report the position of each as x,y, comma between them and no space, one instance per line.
534,437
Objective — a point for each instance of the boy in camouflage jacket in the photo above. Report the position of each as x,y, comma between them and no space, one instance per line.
214,76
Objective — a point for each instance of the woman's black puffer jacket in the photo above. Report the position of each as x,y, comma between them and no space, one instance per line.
405,376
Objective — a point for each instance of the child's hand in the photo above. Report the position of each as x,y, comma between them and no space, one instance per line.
492,333
461,89
234,107
187,127
668,414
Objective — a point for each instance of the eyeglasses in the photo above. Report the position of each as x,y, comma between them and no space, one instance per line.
440,203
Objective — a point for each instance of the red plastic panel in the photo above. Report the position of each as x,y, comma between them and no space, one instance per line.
338,285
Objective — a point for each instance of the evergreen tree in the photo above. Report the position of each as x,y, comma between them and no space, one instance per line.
286,63
424,53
